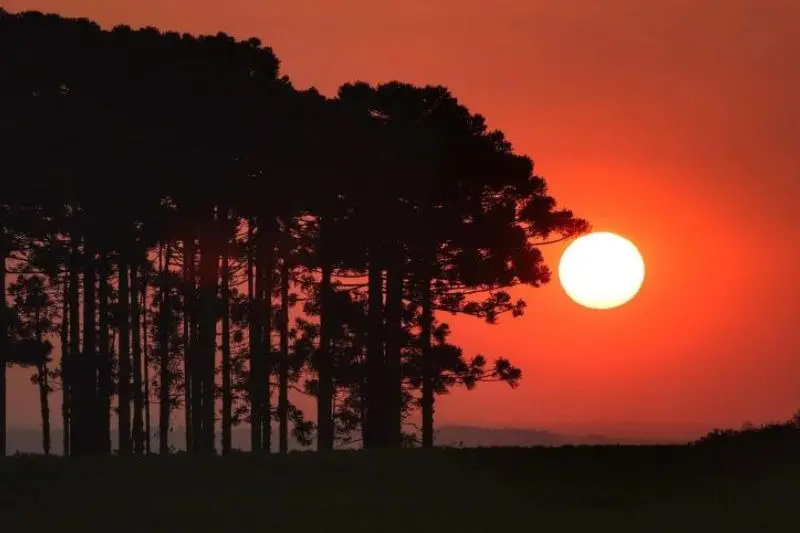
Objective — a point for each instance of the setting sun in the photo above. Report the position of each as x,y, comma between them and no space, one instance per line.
601,270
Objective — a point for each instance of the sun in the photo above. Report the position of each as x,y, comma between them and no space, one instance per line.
601,270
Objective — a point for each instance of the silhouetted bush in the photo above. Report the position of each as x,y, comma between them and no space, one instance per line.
769,435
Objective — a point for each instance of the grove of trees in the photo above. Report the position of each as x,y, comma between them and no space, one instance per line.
181,227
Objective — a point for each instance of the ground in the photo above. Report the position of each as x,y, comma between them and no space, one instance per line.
597,489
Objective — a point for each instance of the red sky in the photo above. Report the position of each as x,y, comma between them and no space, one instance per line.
675,123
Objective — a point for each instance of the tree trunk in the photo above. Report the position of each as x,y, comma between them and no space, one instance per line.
44,406
209,264
104,384
325,362
283,364
136,341
87,429
125,445
65,392
266,250
41,381
73,374
145,364
165,381
196,365
5,344
394,326
227,396
189,338
253,291
197,351
427,362
374,415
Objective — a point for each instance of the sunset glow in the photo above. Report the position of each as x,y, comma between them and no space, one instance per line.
674,124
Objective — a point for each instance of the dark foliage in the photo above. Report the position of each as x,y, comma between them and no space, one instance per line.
766,436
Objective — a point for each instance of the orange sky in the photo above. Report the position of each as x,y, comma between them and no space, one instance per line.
675,123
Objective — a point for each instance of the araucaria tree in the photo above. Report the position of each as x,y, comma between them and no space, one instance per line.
191,232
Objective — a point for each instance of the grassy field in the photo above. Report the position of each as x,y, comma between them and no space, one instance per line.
597,489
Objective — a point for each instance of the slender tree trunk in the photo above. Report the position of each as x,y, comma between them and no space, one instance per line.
227,397
188,339
427,362
394,326
196,354
5,344
209,264
44,407
374,419
104,383
88,394
125,444
136,341
283,364
266,248
196,368
65,392
253,292
73,374
325,360
145,364
41,375
164,329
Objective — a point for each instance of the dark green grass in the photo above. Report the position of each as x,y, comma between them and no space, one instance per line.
597,489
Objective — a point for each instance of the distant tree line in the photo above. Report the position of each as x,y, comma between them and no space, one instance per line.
786,432
203,237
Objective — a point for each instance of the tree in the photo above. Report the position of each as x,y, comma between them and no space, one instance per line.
461,207
32,321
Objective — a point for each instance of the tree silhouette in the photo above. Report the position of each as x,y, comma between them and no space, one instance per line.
31,322
182,196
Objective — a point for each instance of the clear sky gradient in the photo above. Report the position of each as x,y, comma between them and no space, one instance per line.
675,123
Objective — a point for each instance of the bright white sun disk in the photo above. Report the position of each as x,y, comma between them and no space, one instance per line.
601,270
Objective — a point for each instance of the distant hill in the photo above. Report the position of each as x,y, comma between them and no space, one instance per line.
29,440
472,436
